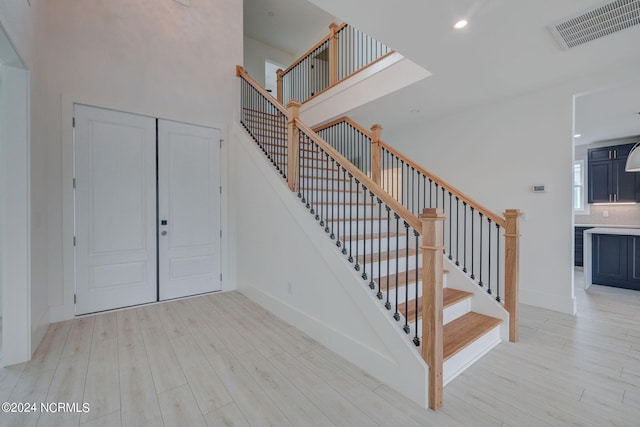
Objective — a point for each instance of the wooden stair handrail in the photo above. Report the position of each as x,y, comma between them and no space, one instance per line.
340,120
392,203
450,188
442,183
241,72
307,53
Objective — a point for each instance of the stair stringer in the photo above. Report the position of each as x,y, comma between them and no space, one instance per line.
481,302
288,264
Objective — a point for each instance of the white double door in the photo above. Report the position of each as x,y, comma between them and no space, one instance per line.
147,209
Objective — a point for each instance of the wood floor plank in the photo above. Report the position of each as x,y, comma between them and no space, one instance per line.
377,408
207,387
179,408
10,375
298,408
566,370
340,411
256,405
48,352
110,420
138,398
78,343
30,388
67,386
165,369
102,386
231,341
227,416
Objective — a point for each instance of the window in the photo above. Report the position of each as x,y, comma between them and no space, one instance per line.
578,186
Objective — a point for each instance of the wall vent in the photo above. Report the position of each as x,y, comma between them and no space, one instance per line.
599,21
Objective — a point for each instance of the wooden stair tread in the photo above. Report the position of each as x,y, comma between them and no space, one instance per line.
464,330
450,297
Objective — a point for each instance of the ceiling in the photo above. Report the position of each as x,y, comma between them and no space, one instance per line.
304,23
608,114
505,50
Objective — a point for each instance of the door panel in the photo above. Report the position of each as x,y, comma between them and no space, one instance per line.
188,209
115,203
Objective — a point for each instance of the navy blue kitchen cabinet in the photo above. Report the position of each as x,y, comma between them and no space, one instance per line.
616,260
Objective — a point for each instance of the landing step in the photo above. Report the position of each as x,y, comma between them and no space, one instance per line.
466,329
450,297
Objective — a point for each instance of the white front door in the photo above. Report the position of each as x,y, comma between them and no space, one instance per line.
115,209
188,209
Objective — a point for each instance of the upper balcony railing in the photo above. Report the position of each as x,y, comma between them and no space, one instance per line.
342,53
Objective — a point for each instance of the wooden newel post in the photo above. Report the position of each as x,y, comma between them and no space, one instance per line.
279,74
376,153
432,301
333,54
293,144
511,270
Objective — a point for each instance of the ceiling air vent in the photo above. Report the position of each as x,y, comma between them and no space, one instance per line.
599,21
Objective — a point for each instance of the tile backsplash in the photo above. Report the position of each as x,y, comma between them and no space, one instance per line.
618,215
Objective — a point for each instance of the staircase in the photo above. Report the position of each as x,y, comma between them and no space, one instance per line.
372,225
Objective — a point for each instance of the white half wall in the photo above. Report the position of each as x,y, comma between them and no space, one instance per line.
18,336
157,58
287,263
496,152
386,76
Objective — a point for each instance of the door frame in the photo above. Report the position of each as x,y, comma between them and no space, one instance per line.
66,310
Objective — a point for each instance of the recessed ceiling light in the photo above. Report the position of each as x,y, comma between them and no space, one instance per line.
460,24
577,135
414,110
270,13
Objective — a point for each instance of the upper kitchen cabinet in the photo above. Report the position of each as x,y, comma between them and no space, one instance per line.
608,181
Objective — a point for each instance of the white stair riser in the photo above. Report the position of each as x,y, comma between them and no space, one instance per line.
401,264
337,196
458,363
358,228
349,210
364,245
401,290
449,314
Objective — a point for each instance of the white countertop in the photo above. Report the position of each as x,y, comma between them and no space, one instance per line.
607,226
610,230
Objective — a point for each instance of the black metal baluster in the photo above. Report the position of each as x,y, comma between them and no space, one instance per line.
344,211
497,262
457,231
350,218
364,234
481,248
450,223
387,305
472,243
416,338
333,203
357,236
406,328
396,315
372,284
379,294
489,257
464,261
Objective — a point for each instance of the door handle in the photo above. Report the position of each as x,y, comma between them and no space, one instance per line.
164,233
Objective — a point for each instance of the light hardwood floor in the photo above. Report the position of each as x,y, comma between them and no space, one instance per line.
220,360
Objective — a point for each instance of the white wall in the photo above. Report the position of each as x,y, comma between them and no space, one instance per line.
152,57
256,53
287,263
496,152
26,299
